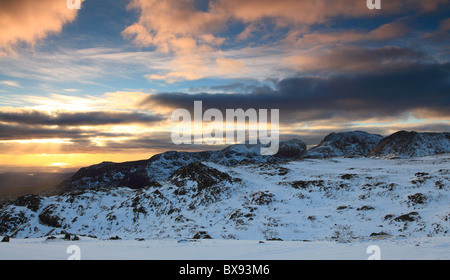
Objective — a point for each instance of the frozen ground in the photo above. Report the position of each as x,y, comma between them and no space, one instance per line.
321,209
91,249
340,199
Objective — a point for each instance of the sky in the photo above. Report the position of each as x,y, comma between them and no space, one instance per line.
83,86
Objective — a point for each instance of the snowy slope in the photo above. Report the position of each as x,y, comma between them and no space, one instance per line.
150,172
356,143
405,144
431,248
145,173
319,199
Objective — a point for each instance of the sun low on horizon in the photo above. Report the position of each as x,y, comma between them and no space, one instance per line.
80,85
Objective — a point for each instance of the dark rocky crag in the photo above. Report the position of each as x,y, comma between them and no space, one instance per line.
145,173
356,143
404,144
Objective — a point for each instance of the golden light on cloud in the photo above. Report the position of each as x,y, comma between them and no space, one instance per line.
39,141
68,161
58,164
29,20
96,98
58,102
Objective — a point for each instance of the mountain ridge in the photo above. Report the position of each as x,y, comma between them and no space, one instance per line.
339,199
404,144
139,174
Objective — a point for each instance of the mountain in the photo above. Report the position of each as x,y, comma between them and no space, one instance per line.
356,143
140,174
343,199
405,144
236,193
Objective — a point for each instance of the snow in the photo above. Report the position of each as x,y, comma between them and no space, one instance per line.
91,249
405,144
356,143
320,208
318,199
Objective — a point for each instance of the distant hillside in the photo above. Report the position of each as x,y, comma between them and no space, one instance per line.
404,144
144,173
356,143
15,184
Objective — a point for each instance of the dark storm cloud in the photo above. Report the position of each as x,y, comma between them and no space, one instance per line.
395,90
76,118
25,132
356,59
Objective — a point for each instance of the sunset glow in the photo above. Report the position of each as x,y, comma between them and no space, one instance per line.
79,87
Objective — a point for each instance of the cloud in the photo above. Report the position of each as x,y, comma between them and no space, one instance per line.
442,34
10,83
357,59
395,91
172,25
34,117
21,132
198,66
180,25
384,32
27,21
192,31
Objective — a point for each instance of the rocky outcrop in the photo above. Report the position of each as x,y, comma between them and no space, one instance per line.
356,143
405,144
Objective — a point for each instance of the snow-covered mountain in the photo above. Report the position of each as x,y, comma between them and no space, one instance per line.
145,173
356,143
314,199
405,144
236,193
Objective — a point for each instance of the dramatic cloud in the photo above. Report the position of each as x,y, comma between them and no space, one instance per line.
28,20
183,25
108,83
357,97
33,117
356,59
384,32
442,34
193,30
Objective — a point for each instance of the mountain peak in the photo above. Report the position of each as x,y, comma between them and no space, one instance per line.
404,144
354,143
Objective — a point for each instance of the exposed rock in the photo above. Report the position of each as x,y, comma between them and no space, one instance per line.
379,234
49,218
417,198
410,217
10,220
202,235
405,144
32,202
146,173
204,176
115,238
357,143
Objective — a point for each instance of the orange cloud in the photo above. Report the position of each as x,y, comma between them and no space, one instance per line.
199,65
355,59
384,32
172,25
29,20
190,33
